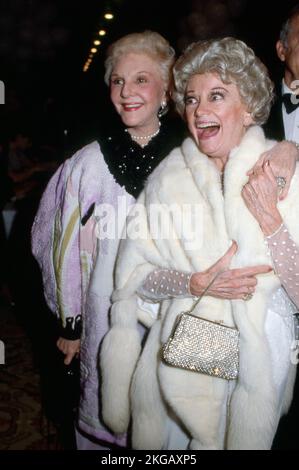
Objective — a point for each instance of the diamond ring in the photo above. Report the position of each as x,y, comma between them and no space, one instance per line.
247,296
281,182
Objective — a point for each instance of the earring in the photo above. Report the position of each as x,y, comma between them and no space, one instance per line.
163,109
248,121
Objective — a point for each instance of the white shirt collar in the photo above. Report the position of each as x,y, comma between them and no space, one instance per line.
290,121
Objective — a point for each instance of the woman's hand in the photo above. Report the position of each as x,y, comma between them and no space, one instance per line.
69,348
260,195
282,158
230,283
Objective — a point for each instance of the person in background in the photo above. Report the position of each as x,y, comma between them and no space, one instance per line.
283,122
19,164
243,234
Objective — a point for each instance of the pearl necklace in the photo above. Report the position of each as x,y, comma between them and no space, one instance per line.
144,137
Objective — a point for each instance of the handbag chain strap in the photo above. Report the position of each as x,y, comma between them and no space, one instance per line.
205,291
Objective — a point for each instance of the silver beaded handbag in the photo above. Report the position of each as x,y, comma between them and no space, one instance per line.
200,345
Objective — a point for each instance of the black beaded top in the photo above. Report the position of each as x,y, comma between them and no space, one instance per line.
131,164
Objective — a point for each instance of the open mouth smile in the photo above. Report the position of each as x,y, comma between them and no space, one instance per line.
131,106
205,130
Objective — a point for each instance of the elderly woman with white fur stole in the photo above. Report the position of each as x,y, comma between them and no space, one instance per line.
239,229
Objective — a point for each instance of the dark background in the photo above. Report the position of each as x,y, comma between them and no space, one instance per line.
45,43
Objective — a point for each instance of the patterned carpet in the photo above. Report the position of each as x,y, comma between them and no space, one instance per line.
23,424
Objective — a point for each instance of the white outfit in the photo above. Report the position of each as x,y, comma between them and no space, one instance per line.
212,413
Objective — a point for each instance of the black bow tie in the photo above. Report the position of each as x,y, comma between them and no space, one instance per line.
288,99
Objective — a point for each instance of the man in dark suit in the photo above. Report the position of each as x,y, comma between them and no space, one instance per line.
283,122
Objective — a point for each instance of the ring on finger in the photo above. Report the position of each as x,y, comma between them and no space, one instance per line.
281,182
247,296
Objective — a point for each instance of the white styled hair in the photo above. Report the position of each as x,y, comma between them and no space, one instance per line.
147,42
234,62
